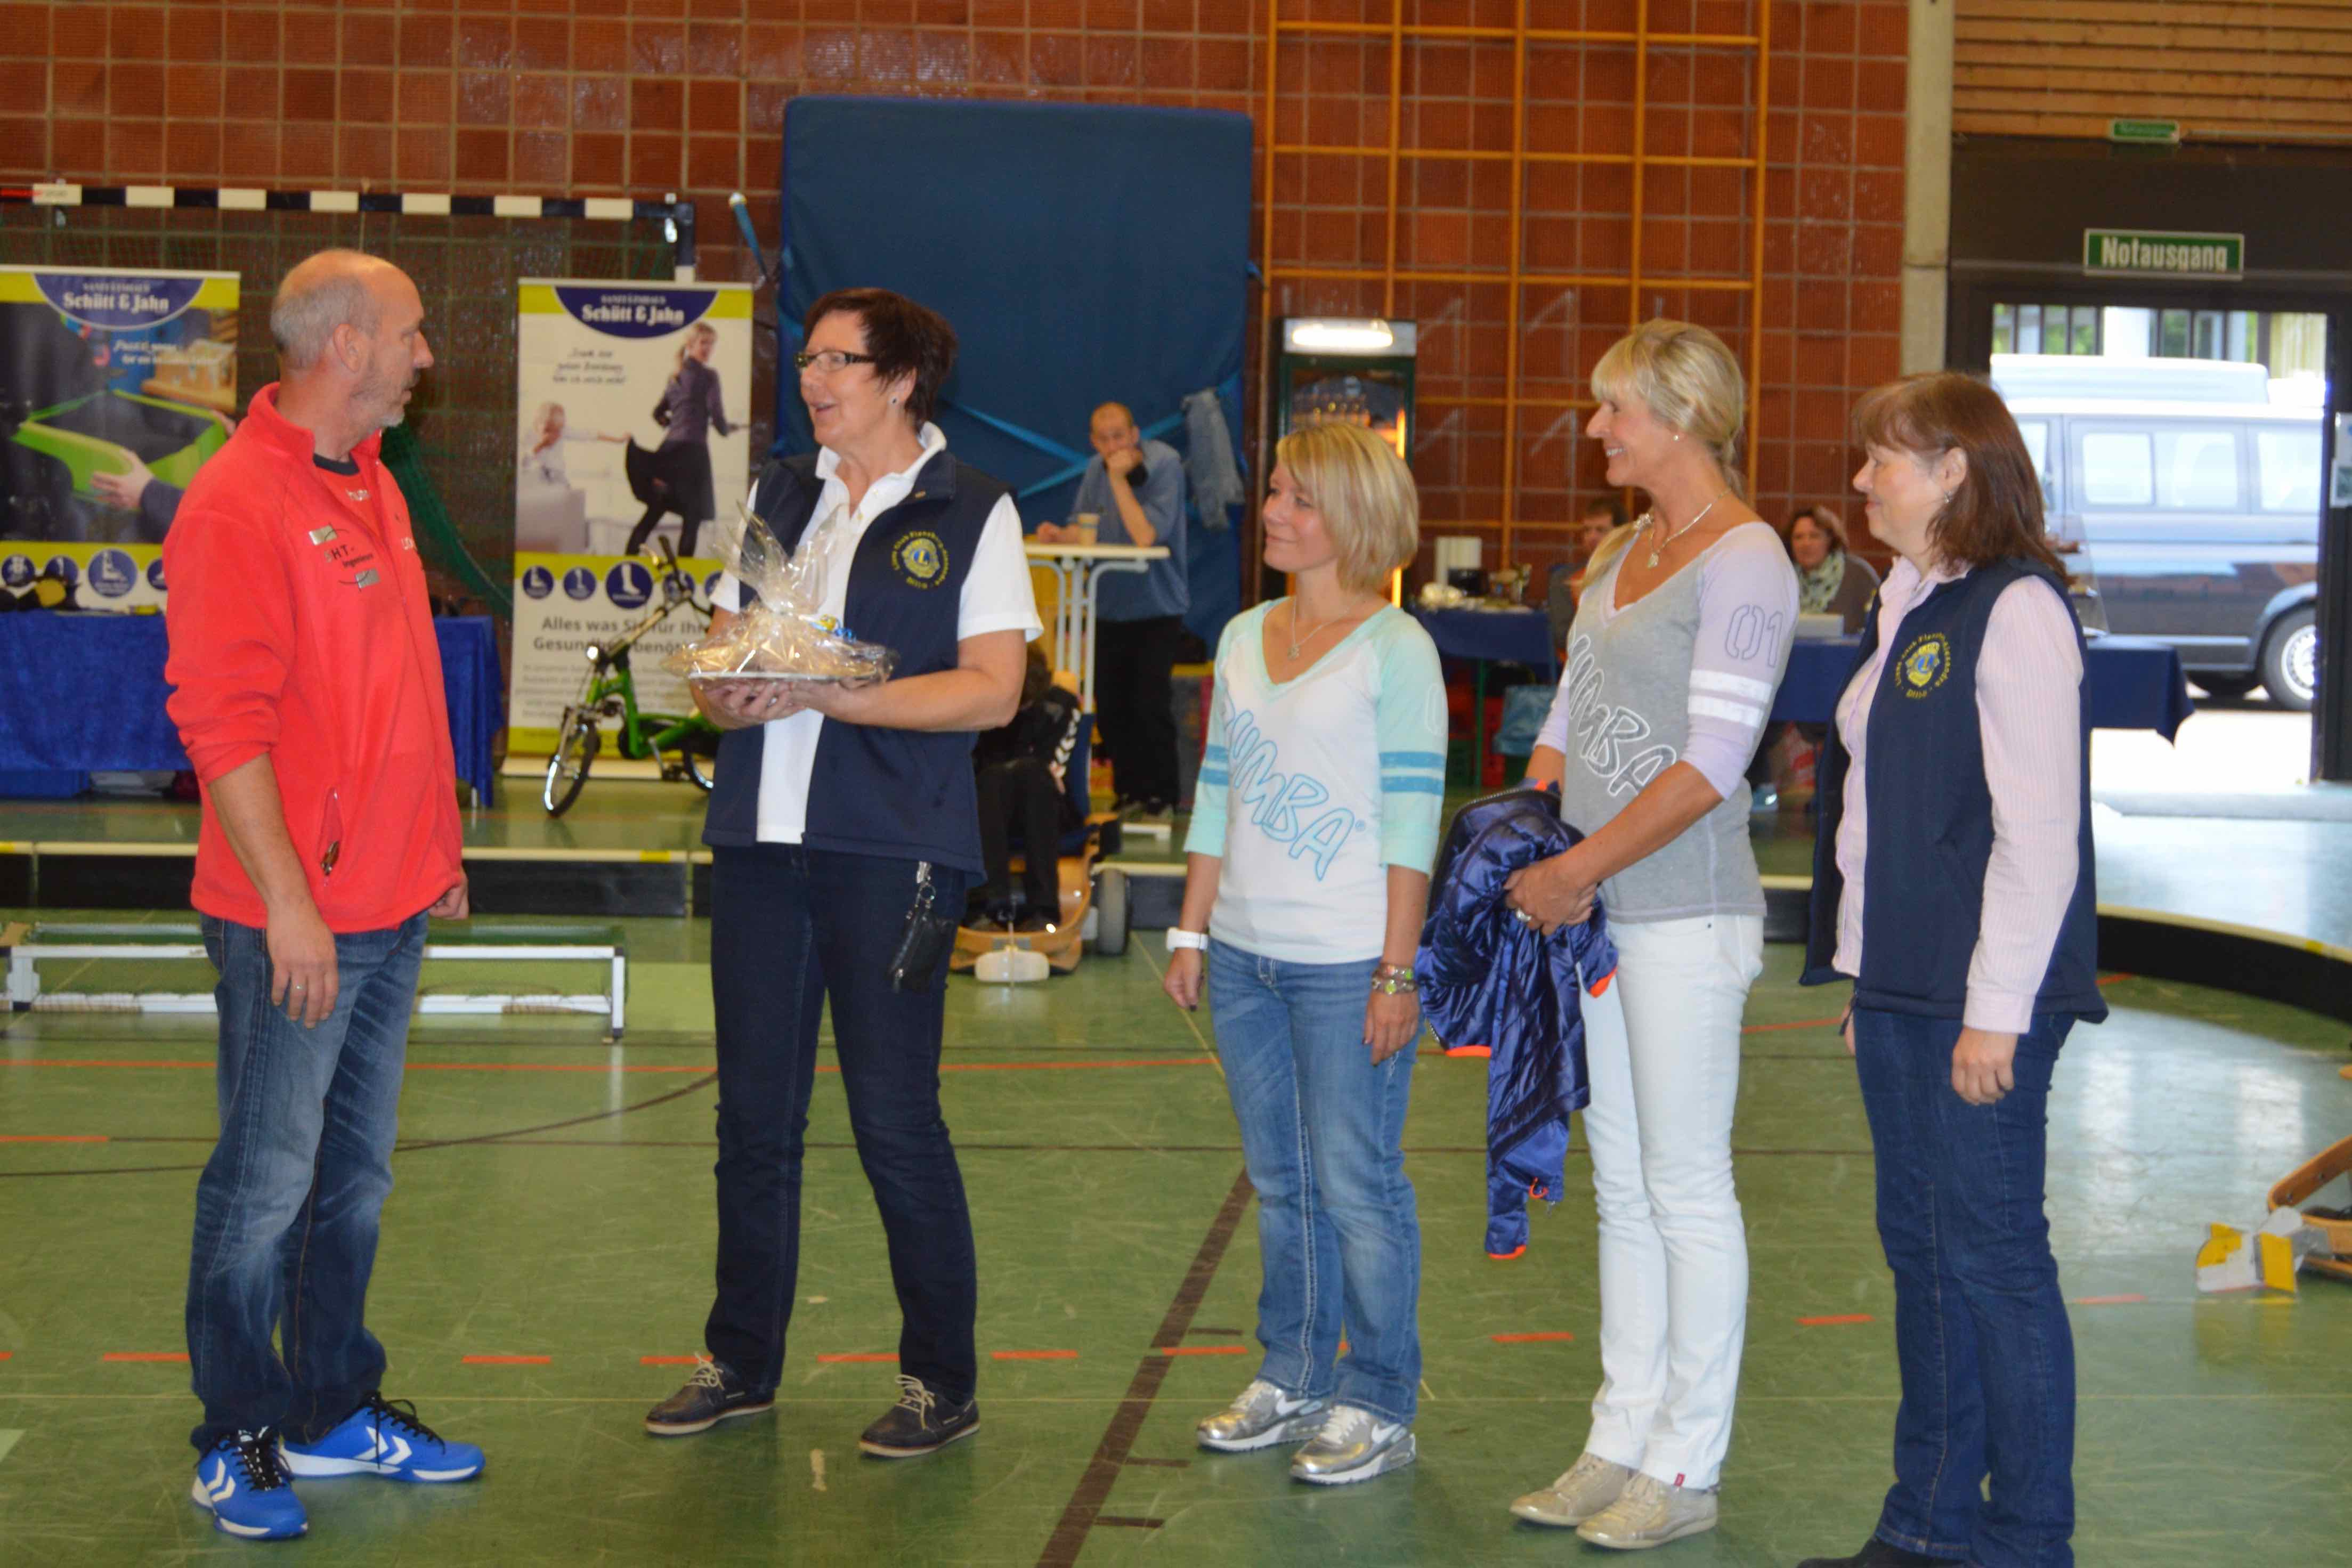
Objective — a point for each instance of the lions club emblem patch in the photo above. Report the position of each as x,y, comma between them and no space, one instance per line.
1925,664
921,560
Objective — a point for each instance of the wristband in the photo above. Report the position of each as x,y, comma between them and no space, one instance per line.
1178,940
1395,979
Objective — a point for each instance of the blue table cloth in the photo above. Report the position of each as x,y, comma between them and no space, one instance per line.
1508,636
2134,684
86,695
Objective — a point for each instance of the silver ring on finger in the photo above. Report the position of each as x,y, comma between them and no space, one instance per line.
1523,917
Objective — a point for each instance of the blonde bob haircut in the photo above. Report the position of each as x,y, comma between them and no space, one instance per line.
1686,376
1365,493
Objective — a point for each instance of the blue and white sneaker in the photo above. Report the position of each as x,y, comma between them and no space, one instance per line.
240,1479
381,1438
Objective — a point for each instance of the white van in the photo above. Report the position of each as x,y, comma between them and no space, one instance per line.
2185,497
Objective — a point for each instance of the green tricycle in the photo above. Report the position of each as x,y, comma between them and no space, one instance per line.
688,745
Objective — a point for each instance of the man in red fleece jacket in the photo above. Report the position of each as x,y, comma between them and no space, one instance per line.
308,692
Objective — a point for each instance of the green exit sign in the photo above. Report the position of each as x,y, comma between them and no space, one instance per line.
2153,253
2165,132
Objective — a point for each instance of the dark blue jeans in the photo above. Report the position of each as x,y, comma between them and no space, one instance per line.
286,1207
1980,1328
791,928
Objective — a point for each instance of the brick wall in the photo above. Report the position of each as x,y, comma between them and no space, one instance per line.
643,96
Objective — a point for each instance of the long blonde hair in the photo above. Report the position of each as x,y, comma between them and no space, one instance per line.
694,334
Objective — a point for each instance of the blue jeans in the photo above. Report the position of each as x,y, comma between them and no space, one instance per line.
286,1207
1323,1133
1980,1328
791,928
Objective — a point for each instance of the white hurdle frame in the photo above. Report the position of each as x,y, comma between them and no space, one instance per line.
25,992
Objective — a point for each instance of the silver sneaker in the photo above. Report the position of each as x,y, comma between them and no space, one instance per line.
1259,1417
1589,1485
1650,1512
1353,1446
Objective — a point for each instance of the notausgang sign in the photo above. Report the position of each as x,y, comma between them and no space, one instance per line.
2140,252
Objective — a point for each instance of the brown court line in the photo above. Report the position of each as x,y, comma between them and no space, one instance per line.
1094,1487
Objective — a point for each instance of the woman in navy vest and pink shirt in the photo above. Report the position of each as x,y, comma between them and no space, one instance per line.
832,807
1952,884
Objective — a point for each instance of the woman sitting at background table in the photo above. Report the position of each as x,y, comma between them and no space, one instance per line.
1952,883
1830,580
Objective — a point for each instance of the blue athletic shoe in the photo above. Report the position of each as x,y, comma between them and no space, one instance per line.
241,1482
381,1438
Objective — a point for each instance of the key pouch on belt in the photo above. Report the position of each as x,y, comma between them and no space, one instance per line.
924,945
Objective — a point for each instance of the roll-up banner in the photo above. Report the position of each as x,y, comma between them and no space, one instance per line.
115,386
633,403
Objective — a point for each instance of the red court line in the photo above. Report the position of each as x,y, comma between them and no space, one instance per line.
505,1360
1546,1338
1201,1350
1836,1319
2108,1301
667,1360
882,1356
568,1067
1035,1354
53,1138
5,1354
145,1355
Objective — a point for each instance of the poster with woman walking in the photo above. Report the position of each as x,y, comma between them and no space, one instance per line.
632,406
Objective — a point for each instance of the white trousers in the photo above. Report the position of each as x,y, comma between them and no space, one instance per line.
1662,1048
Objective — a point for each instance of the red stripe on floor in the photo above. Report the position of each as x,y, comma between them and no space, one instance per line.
52,1138
1035,1354
667,1360
881,1355
2107,1301
1201,1350
5,1354
1547,1337
146,1355
505,1360
1836,1319
1079,1066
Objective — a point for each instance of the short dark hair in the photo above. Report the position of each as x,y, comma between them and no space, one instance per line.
1612,504
1822,517
1996,513
903,338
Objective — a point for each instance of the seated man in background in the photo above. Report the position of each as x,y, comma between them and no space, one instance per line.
1023,773
1602,519
1135,488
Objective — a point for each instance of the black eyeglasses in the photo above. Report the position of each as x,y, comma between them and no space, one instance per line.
830,360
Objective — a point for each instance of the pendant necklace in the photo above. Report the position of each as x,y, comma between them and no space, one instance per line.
1687,527
1297,641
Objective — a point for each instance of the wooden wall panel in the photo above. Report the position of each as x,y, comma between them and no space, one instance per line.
2235,69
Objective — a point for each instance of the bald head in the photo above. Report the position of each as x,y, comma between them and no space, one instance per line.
351,344
332,288
1111,427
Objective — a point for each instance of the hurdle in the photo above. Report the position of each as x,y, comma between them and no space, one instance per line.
28,945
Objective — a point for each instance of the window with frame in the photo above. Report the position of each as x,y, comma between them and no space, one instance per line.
2286,470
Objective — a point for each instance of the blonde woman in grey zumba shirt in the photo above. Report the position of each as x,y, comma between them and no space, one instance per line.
1679,642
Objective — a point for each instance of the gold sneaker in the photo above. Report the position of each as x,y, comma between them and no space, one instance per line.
1589,1485
1650,1512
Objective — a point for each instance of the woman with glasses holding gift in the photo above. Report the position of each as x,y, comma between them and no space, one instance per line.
845,830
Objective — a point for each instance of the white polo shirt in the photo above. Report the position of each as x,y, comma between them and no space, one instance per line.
996,598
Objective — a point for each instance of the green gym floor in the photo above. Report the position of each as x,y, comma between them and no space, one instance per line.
546,1253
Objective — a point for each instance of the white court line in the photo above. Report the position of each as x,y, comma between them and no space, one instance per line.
8,1441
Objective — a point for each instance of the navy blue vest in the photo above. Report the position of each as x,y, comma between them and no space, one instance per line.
907,794
1931,820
